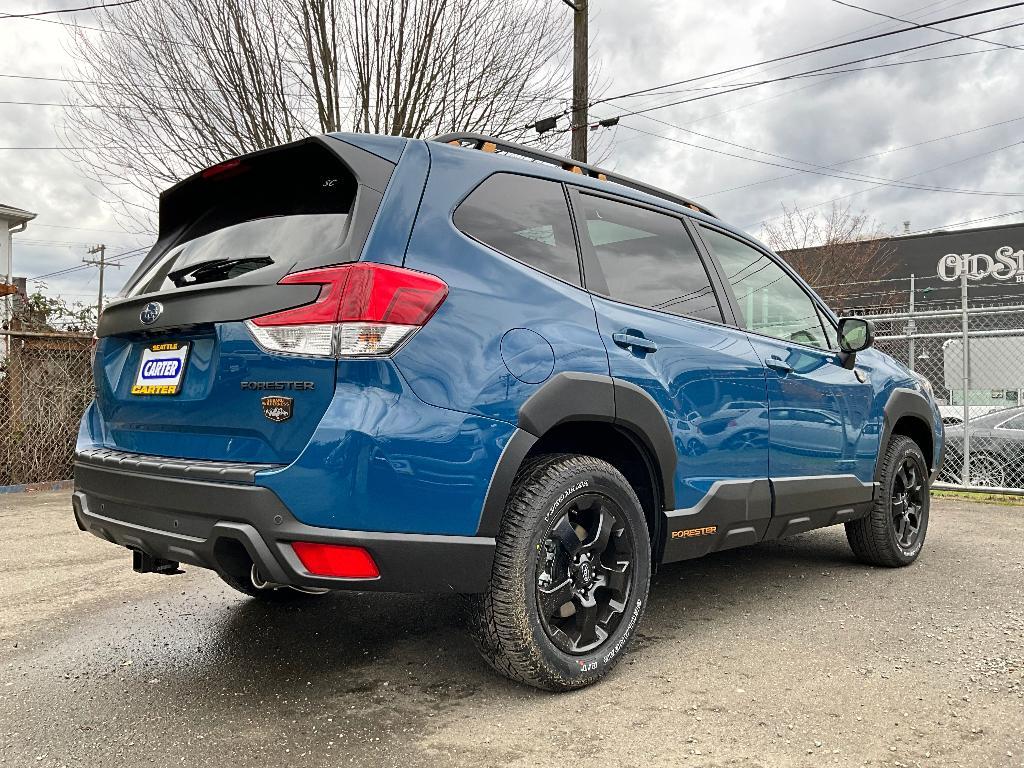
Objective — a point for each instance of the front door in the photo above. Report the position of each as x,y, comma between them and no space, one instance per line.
817,407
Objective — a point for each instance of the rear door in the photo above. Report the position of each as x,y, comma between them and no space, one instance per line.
178,372
818,409
663,325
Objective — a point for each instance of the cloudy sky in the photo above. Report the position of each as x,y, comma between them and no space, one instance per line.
744,154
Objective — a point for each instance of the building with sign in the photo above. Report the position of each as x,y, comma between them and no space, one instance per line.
993,258
925,273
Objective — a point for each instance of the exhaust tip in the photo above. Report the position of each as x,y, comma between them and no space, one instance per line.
260,583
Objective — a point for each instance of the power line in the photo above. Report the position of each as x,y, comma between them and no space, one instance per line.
797,54
867,177
909,176
144,38
90,229
824,69
818,73
930,26
821,49
964,223
121,257
828,71
863,157
66,10
129,35
150,86
878,181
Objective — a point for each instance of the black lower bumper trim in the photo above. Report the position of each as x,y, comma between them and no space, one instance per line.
184,520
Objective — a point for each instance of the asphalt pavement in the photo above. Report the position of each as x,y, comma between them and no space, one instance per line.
783,654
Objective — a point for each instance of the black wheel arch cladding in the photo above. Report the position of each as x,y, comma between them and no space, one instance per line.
903,403
582,397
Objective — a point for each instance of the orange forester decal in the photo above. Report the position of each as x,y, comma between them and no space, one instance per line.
689,533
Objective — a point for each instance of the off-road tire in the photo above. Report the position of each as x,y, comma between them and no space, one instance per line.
874,538
505,620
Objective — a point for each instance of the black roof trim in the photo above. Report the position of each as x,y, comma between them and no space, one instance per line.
480,141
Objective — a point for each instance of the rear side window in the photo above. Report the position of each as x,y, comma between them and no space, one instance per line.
525,218
649,260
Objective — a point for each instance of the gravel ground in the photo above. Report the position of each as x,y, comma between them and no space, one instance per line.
784,654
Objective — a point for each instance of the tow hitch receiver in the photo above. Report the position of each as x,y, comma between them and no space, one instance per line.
146,563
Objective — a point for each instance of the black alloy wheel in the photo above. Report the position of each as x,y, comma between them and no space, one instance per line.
907,504
585,573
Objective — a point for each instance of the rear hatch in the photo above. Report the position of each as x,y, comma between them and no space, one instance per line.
177,371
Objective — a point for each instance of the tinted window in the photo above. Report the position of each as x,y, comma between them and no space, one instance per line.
648,259
770,301
284,208
525,218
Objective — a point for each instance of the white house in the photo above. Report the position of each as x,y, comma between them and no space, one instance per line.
11,220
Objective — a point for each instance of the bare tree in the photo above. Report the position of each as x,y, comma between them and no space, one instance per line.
169,87
418,67
842,254
174,86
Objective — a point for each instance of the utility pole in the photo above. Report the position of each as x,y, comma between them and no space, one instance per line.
580,95
102,263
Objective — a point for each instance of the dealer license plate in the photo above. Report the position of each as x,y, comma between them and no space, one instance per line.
161,369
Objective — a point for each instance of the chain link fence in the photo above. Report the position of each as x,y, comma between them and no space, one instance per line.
972,353
45,385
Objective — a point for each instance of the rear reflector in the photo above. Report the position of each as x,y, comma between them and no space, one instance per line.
336,560
362,310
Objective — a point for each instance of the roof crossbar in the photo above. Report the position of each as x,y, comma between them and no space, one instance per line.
492,144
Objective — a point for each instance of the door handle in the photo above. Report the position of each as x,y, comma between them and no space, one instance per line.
633,341
778,364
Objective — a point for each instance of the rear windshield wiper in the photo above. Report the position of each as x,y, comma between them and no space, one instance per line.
216,269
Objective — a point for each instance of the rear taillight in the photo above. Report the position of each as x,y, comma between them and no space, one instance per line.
363,310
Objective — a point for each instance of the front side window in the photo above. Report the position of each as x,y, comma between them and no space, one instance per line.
648,259
525,218
770,301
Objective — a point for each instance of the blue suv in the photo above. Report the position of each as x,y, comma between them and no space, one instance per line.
466,366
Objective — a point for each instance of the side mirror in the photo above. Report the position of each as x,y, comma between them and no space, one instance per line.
855,334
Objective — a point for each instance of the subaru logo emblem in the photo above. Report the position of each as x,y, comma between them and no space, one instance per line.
151,312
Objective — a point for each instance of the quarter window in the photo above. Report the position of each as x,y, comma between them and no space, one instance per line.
525,218
770,301
648,259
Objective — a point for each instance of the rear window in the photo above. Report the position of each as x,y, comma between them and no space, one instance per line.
280,208
525,218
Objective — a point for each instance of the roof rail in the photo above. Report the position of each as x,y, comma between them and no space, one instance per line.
492,144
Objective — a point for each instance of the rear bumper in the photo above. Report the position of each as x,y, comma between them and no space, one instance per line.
156,510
